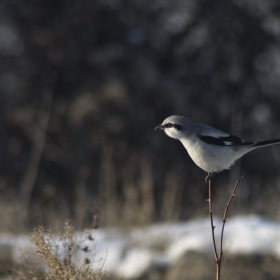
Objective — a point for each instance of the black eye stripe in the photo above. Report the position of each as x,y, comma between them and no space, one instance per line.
177,126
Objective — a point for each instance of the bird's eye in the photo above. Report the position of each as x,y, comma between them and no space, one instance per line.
169,125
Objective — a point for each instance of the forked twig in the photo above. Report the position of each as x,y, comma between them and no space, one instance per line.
218,258
224,220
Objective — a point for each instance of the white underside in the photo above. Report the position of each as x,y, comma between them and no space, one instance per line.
213,158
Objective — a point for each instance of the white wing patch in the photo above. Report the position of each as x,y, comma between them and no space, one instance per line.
228,143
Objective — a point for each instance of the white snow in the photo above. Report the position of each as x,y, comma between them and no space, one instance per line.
130,253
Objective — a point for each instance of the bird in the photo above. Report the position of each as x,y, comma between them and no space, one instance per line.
211,149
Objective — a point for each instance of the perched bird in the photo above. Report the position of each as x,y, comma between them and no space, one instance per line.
210,149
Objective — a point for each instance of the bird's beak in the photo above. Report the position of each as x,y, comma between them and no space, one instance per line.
160,127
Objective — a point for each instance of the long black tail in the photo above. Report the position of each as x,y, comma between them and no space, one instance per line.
267,143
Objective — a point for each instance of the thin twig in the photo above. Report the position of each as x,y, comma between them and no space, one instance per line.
211,220
218,258
224,221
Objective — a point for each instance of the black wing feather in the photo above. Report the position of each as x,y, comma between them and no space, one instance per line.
230,140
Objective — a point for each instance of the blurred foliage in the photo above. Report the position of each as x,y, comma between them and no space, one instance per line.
93,78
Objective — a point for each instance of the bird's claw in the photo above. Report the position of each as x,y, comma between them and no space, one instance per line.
208,177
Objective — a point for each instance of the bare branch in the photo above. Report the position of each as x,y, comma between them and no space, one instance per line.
211,220
224,218
218,258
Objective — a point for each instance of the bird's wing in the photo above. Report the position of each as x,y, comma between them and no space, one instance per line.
229,140
217,137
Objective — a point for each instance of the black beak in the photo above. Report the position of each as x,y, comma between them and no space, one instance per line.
160,127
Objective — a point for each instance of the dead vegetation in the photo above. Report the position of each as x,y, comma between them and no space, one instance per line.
55,257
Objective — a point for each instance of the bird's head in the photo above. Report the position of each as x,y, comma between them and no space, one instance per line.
175,126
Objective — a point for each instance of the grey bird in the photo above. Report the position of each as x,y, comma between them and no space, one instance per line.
211,149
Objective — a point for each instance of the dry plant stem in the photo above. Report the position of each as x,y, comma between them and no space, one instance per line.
218,258
38,144
211,220
38,140
224,219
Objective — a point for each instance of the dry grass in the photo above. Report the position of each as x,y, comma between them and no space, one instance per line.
52,263
128,195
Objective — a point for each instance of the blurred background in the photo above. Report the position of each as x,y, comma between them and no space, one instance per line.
84,83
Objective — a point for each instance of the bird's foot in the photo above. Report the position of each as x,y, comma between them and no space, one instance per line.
209,176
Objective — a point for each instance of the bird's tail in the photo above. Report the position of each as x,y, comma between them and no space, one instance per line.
266,143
